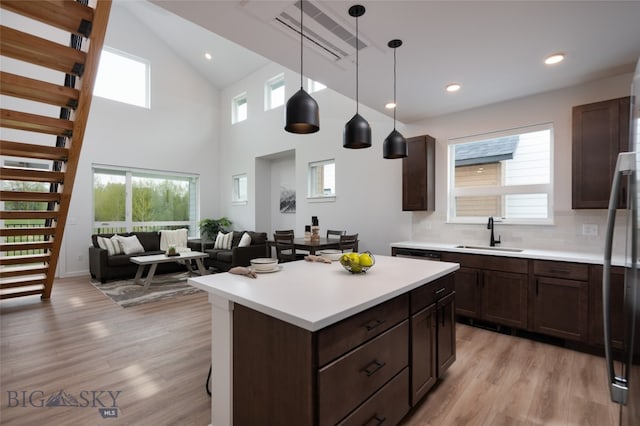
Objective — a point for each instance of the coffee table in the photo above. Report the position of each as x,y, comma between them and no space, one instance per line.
155,259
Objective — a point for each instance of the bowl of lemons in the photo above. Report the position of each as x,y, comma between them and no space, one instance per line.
357,263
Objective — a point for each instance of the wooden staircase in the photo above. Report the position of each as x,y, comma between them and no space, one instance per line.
39,164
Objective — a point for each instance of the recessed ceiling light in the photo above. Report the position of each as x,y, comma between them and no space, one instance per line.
453,87
208,56
390,105
554,59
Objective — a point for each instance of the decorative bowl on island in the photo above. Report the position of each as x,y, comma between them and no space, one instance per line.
357,263
264,264
331,254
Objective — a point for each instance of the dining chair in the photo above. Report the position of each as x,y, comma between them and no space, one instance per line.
348,242
285,249
284,231
333,234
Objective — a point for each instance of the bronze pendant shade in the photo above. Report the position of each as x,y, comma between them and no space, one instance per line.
395,145
357,131
302,114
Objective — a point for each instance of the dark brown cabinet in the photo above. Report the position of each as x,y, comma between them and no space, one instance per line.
504,298
491,288
561,292
366,369
446,333
418,174
433,336
599,132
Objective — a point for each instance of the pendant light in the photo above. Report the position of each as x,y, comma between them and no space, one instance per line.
357,132
302,113
395,145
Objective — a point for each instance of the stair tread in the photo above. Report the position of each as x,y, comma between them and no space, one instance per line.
35,230
35,123
65,15
30,150
30,290
28,214
29,196
22,259
28,272
35,50
30,175
37,90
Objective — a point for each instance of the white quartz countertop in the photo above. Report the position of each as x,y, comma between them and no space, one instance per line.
313,295
556,255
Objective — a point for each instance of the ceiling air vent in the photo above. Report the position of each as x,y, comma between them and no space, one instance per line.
329,37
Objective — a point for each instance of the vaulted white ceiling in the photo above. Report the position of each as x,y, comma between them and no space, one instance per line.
494,49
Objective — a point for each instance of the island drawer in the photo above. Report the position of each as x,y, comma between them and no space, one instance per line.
429,293
571,271
387,406
337,339
362,372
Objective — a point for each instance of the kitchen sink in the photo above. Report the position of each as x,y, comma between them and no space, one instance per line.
512,250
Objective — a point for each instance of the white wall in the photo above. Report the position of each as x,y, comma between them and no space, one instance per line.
179,132
368,187
554,107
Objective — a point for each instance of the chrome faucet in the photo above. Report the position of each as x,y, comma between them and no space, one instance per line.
492,241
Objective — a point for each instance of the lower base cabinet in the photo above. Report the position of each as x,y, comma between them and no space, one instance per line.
367,369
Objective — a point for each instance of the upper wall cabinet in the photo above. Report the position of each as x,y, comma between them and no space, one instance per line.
600,132
418,174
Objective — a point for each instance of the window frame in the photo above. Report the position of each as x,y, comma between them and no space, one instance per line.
236,181
312,86
235,106
311,194
269,89
546,188
128,225
109,93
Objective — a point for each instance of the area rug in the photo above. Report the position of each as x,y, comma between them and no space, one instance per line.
165,286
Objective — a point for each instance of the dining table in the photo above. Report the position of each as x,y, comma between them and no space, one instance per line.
312,246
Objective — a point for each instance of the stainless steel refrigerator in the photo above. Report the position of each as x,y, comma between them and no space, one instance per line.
624,367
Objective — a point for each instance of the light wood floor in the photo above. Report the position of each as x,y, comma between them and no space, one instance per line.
158,355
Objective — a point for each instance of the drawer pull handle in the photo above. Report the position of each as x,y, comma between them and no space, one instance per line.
440,290
373,324
373,367
375,421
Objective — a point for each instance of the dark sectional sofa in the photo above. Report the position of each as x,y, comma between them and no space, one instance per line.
223,260
104,267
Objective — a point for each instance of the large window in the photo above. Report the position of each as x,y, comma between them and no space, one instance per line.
239,108
506,175
138,200
322,179
123,78
274,92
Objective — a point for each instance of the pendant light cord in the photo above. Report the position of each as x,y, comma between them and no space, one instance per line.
357,63
394,89
301,41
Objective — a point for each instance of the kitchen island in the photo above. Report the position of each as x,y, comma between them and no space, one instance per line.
286,345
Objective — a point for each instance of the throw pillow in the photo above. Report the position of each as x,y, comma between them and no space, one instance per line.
223,241
245,240
131,245
111,245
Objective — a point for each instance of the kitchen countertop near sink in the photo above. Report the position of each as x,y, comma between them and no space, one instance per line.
508,251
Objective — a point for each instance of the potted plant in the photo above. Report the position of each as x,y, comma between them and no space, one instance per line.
209,227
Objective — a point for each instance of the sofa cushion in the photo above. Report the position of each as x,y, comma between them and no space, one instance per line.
245,240
225,256
111,245
131,245
213,253
150,240
223,241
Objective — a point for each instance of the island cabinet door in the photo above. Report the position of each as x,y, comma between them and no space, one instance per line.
349,381
423,352
446,332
